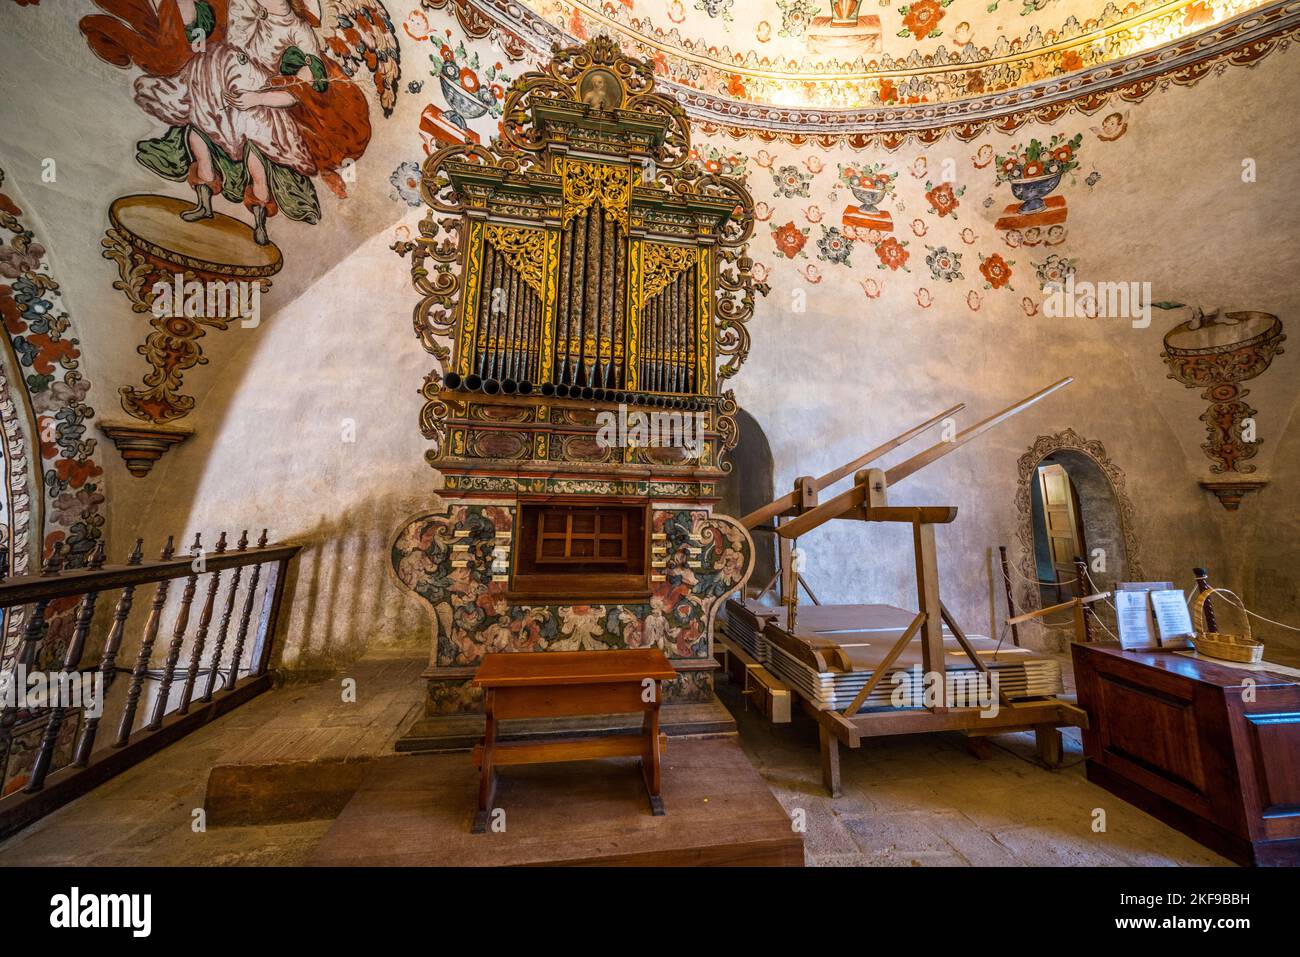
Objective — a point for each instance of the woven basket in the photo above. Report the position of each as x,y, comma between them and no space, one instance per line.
1220,644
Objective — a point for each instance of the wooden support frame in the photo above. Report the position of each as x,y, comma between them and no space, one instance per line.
868,500
1044,718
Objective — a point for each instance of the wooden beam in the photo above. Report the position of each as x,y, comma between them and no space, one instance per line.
927,600
848,468
925,514
934,452
920,721
837,507
787,502
849,504
883,667
1073,602
962,640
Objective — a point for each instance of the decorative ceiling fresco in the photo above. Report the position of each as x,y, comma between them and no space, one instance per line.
839,66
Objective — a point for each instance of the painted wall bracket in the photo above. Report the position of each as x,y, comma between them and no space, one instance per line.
143,445
1216,353
153,247
1230,492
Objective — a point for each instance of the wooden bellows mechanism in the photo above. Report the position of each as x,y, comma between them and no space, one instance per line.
868,501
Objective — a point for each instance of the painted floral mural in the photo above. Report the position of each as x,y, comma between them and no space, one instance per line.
46,349
706,559
852,55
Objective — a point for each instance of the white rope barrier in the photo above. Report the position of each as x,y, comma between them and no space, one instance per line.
1221,591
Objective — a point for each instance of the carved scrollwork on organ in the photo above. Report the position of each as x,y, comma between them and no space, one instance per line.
582,258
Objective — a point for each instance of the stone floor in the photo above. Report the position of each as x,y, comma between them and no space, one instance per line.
924,800
915,801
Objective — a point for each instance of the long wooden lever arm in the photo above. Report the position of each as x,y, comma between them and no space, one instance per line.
786,502
851,499
921,460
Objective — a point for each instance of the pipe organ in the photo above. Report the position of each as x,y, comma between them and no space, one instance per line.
584,289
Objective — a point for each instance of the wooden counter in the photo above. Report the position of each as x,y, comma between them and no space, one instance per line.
1208,747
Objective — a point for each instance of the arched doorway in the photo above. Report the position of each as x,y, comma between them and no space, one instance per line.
20,496
1072,500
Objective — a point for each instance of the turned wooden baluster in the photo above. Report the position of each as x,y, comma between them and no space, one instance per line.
1006,582
1203,585
34,633
244,617
201,636
71,660
141,669
226,614
178,639
36,626
108,664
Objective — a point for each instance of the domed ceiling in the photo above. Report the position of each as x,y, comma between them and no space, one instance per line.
800,64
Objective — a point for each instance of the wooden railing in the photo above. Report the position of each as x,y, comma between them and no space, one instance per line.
52,751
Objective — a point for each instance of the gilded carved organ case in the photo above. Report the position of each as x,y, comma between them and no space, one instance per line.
584,288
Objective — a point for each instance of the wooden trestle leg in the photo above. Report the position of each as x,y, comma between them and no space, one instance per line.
830,749
487,779
650,757
1048,740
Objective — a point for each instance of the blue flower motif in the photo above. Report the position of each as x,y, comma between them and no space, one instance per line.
944,263
834,246
406,183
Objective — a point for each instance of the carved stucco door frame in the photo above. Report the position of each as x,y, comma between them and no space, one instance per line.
1027,597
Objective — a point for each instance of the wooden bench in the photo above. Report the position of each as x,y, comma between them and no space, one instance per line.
565,684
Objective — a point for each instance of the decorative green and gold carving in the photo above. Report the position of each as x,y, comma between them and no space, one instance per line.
662,263
525,251
586,132
586,183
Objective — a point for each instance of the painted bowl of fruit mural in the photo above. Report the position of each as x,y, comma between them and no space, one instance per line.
867,197
1032,190
1239,346
468,103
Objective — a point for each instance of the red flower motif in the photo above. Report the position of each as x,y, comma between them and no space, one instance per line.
789,240
996,270
888,92
923,18
50,351
892,253
11,312
943,199
1071,61
76,473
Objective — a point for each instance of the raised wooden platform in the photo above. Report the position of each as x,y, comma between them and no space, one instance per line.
415,810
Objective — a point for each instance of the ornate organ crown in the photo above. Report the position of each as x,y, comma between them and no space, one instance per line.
582,256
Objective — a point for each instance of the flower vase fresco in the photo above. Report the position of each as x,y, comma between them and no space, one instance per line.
1034,172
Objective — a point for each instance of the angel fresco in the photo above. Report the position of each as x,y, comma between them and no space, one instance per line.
257,96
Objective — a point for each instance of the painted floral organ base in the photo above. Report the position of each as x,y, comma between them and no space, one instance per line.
457,560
